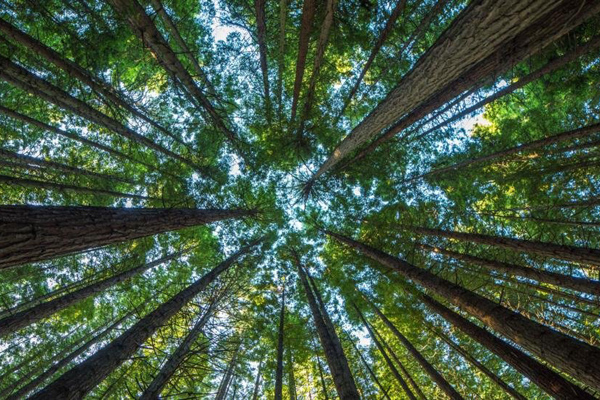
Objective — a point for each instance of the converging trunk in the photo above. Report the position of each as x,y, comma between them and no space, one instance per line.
280,337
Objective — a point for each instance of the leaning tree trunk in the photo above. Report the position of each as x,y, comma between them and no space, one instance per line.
226,381
569,282
567,354
548,380
29,316
576,254
78,381
387,358
495,378
370,370
281,65
257,382
261,35
336,359
36,233
410,379
176,359
320,368
426,365
280,337
291,377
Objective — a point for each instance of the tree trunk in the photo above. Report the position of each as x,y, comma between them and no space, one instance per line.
27,317
36,233
575,254
496,379
579,284
280,337
320,368
143,26
370,370
225,382
281,65
257,382
35,85
176,359
548,380
570,355
471,50
78,381
429,369
387,359
22,392
291,378
336,359
410,379
261,35
308,13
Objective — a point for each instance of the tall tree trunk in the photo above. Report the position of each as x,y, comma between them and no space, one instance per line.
76,71
291,377
281,65
280,337
370,370
29,316
387,359
176,359
336,359
143,26
320,368
410,379
570,355
226,381
576,254
36,233
548,380
261,35
473,48
495,378
35,85
257,382
579,284
78,381
23,391
308,13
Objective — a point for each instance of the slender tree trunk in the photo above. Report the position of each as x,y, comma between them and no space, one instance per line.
27,317
225,382
429,369
281,65
387,359
280,337
36,233
410,379
320,368
23,391
336,359
261,35
308,13
575,254
78,381
579,284
495,378
35,85
176,359
548,380
33,183
143,26
257,382
291,377
570,355
370,370
453,65
76,71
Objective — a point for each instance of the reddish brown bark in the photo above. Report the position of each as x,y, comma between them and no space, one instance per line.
308,13
261,35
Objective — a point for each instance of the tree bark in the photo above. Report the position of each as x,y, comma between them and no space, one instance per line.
176,359
280,337
226,381
29,316
575,254
291,377
570,355
336,359
370,370
78,381
281,65
410,379
308,13
257,382
36,233
429,369
261,35
569,282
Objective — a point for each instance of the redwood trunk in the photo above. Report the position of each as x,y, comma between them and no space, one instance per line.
37,233
226,381
261,34
257,382
370,370
410,379
280,337
308,13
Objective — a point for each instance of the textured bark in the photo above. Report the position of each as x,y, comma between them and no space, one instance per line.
485,40
435,376
281,65
548,380
257,382
261,35
11,180
308,14
78,381
36,233
582,255
370,370
33,84
176,359
387,29
280,337
579,284
387,358
76,71
143,26
567,354
336,359
495,378
23,391
29,316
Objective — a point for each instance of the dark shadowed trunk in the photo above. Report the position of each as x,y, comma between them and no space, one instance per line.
226,381
370,370
280,337
261,35
257,382
308,13
410,379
